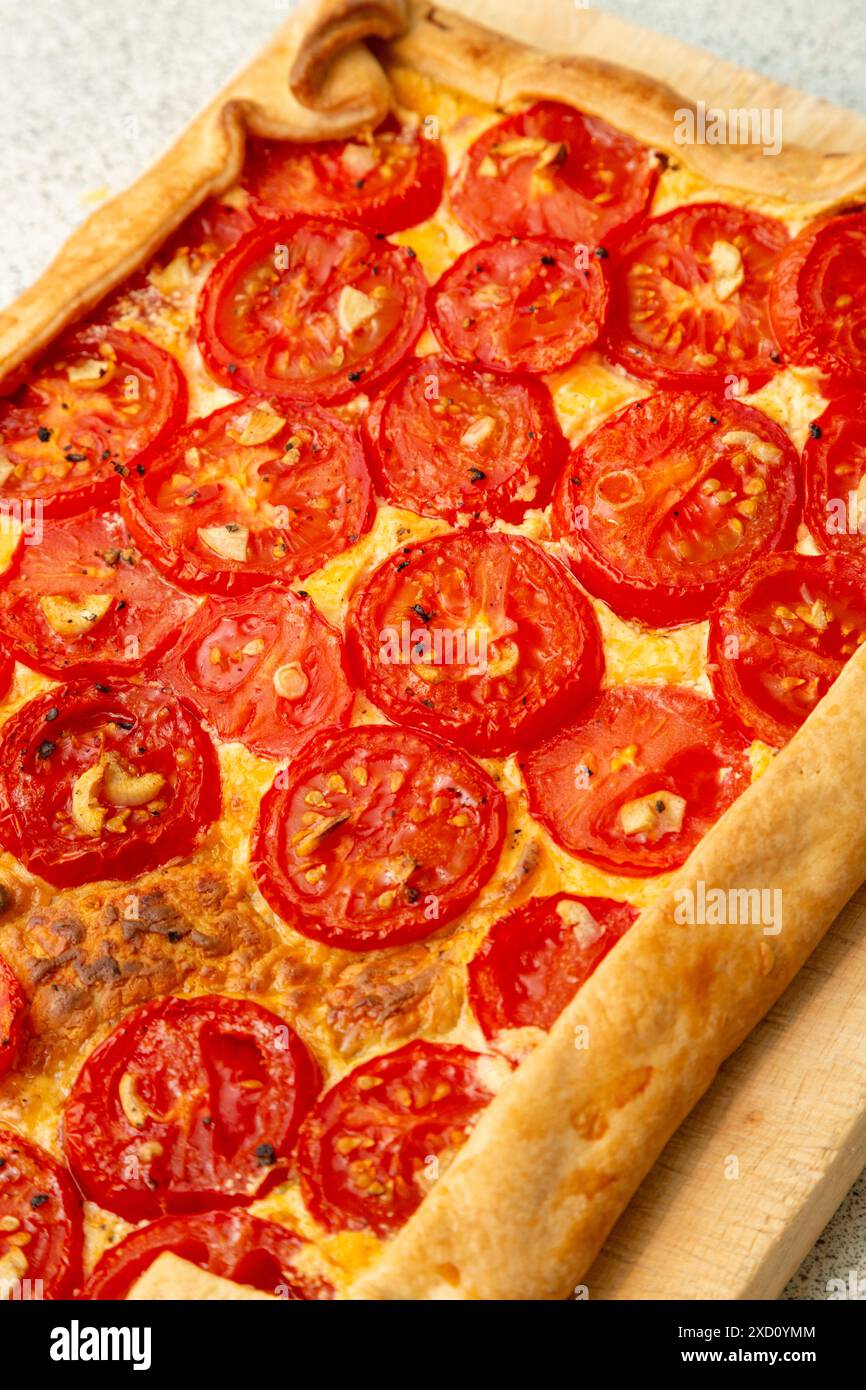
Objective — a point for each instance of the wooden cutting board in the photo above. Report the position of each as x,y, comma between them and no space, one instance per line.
746,1186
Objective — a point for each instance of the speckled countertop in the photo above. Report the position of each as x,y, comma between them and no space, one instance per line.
94,89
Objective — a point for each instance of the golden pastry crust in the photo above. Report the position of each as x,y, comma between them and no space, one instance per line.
528,1202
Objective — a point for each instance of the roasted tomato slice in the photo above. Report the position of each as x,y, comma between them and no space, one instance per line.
535,959
515,306
834,465
212,229
267,671
551,171
689,296
252,493
671,498
101,781
780,638
40,1221
387,179
448,440
7,669
68,433
310,309
231,1244
817,300
374,1144
376,836
478,636
12,1013
638,779
86,602
188,1104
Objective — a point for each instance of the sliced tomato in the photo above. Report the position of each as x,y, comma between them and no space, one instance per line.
817,300
70,432
448,440
375,1143
638,779
212,229
86,601
101,781
267,672
188,1104
230,1244
534,960
40,1221
479,636
310,309
376,836
551,171
512,305
671,498
689,295
13,1009
253,493
834,466
385,179
781,637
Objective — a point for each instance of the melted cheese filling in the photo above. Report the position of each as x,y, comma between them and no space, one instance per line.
531,863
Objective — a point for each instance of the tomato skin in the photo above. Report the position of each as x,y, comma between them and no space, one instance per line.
391,776
237,692
834,463
544,657
326,464
799,644
638,504
53,1222
285,177
54,739
231,1244
254,327
200,1132
668,308
86,424
551,307
410,1118
579,781
816,301
533,961
13,1008
143,618
599,160
417,456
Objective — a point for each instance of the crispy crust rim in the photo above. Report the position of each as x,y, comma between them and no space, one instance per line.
528,1202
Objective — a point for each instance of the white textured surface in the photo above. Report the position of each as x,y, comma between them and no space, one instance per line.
94,89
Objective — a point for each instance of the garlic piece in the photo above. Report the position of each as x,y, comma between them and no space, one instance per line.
87,814
655,815
70,617
727,267
354,309
479,431
122,788
290,681
261,424
229,542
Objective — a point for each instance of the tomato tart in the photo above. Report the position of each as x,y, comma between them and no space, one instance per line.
433,544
